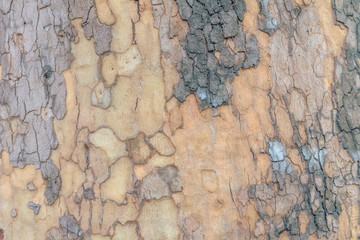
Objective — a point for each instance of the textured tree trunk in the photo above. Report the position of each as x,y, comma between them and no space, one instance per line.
179,119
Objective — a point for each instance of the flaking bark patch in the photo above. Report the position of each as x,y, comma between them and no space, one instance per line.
34,51
211,23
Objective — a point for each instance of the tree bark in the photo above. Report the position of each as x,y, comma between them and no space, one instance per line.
179,119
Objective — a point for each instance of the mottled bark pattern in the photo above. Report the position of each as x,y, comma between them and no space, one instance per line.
313,193
35,49
347,72
179,119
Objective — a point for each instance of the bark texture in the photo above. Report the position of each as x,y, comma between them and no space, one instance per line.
179,119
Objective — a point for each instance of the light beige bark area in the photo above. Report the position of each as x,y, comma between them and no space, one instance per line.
136,163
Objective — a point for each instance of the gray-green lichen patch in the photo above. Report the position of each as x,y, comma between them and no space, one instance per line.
35,48
211,24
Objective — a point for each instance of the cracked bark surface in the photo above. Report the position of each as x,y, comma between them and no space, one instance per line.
35,50
179,119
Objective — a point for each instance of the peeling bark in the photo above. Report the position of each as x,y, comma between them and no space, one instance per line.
179,119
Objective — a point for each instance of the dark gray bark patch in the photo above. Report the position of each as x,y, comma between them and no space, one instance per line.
70,224
50,172
266,22
34,207
210,24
